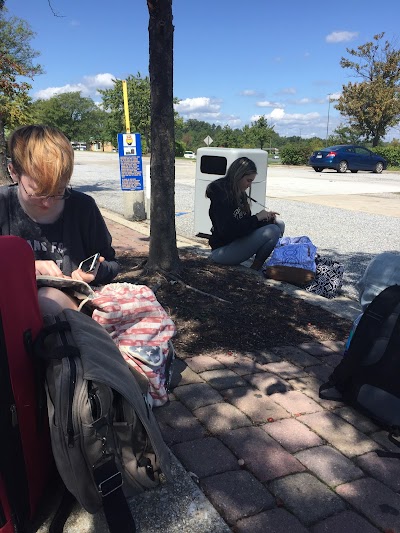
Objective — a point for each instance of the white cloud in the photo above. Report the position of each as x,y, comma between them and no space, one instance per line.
341,36
302,101
45,94
251,92
88,87
201,104
266,103
99,81
207,109
304,124
288,90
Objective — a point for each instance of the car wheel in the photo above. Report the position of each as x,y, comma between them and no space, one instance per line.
378,168
342,167
317,169
354,171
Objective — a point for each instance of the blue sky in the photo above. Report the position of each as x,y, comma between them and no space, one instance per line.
233,61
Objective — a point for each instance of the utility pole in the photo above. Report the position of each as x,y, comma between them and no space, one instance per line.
327,124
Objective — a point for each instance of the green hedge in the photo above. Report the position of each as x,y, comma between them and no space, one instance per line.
295,154
390,153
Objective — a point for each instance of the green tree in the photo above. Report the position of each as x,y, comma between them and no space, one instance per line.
373,104
75,115
138,89
262,133
344,134
16,64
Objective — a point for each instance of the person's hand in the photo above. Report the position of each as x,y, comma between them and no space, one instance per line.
87,277
267,216
48,268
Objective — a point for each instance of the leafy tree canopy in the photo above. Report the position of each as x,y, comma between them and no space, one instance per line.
373,104
262,133
138,89
16,65
78,117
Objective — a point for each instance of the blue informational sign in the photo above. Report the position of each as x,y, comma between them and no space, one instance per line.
130,161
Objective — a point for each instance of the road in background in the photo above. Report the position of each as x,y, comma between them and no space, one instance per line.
349,217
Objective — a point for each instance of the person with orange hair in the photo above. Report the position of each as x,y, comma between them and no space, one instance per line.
62,226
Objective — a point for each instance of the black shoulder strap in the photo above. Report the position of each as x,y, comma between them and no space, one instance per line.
116,509
115,506
63,511
381,307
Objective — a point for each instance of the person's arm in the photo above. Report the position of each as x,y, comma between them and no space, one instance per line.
102,241
85,233
228,221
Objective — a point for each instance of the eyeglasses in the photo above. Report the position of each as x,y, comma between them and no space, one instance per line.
66,194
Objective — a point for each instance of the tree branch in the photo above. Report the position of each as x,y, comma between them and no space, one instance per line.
52,10
183,284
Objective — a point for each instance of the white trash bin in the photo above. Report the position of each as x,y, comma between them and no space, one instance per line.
213,163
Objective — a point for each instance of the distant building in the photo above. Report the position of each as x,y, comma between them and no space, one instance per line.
93,146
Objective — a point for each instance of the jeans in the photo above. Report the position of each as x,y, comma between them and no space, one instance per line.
260,242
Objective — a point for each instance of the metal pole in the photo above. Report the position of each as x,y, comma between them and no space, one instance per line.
126,107
327,124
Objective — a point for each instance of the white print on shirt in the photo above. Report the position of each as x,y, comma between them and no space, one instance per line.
41,246
238,213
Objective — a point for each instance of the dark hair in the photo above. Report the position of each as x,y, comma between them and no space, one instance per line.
239,169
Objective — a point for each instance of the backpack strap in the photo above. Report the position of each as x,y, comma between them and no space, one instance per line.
116,509
63,511
115,506
58,352
381,307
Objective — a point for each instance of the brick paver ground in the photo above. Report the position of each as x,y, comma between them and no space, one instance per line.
270,455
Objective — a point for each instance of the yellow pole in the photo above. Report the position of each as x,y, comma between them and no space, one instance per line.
126,108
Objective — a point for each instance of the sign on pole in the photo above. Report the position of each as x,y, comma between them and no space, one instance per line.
208,140
130,161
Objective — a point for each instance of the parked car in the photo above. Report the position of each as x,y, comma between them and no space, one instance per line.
188,154
345,157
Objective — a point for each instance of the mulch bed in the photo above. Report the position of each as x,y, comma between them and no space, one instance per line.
253,318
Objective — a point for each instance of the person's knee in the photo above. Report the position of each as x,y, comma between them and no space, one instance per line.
281,225
52,301
271,232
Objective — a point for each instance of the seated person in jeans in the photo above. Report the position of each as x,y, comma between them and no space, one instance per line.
236,234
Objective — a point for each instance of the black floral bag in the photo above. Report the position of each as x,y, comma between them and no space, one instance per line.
328,278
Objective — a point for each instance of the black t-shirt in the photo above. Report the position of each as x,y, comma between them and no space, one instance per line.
78,233
46,240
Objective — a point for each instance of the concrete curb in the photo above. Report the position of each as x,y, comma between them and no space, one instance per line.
341,306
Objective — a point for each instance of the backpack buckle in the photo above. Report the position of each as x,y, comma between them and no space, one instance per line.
107,476
110,484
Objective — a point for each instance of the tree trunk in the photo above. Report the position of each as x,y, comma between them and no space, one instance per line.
4,176
163,253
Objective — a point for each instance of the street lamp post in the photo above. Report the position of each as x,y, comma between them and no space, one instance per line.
327,124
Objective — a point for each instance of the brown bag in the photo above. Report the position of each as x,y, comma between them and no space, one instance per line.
295,276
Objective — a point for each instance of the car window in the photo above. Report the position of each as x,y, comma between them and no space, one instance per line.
362,151
350,149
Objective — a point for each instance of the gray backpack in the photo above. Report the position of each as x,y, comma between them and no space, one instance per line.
106,442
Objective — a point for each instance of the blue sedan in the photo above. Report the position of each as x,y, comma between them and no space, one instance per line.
345,157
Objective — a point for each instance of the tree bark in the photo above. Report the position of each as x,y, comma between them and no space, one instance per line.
163,251
4,176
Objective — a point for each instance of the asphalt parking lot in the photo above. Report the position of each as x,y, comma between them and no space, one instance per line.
349,217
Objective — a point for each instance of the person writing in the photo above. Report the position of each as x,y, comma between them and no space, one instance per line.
236,234
62,226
